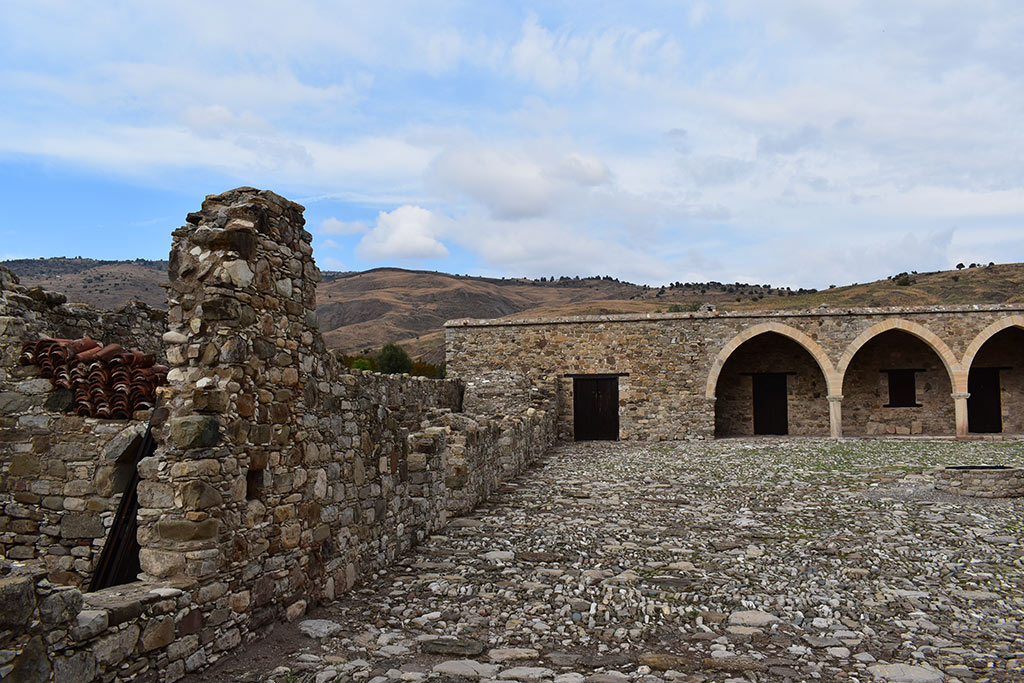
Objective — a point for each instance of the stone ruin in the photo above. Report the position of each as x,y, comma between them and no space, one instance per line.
980,481
279,478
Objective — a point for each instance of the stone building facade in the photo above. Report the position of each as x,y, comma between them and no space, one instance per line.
279,477
854,372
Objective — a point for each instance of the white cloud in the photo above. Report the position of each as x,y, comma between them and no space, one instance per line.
330,263
333,226
515,184
693,139
408,232
329,244
538,58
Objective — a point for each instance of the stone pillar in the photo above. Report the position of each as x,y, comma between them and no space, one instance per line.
960,413
835,416
242,336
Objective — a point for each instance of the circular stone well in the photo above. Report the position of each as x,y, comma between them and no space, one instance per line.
983,481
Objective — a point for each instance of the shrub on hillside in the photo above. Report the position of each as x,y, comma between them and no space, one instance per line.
393,359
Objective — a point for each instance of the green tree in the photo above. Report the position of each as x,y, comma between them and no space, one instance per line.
393,359
361,364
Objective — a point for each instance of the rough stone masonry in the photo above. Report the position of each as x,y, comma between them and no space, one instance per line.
695,375
280,478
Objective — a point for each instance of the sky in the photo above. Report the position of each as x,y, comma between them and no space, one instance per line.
794,142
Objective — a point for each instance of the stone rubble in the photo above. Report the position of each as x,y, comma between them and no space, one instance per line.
796,560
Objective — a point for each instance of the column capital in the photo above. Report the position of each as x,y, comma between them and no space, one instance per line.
835,398
960,394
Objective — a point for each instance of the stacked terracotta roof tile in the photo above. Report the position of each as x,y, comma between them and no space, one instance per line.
105,381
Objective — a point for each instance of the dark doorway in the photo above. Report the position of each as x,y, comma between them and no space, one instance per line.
119,562
595,408
771,413
984,410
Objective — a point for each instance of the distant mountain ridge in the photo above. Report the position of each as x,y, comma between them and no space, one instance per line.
360,311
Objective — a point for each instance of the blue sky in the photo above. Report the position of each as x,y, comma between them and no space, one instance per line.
794,142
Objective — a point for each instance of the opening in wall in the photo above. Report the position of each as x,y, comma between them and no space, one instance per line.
771,403
253,484
984,407
595,401
902,389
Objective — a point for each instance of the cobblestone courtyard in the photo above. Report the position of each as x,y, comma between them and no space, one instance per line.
725,561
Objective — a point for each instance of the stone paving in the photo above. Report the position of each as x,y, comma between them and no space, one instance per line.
743,560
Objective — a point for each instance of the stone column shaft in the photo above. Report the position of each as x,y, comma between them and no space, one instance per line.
960,413
835,416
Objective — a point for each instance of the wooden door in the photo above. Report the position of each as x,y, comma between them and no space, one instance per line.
984,408
771,412
595,408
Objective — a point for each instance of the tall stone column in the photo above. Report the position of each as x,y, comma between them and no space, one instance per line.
835,416
960,413
242,339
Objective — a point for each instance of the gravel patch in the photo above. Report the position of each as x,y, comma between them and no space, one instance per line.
734,560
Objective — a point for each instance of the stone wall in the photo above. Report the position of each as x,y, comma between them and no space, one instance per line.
140,632
61,476
280,478
672,367
31,313
980,482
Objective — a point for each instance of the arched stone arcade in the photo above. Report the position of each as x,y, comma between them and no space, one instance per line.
687,372
897,377
771,379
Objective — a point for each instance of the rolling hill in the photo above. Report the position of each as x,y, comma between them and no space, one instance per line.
361,311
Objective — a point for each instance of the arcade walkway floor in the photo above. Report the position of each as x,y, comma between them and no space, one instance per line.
742,560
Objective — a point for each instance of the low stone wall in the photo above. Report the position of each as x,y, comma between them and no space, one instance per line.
143,632
31,312
409,398
981,482
480,453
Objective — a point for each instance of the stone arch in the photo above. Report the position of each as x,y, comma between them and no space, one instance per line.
996,388
941,349
812,347
985,335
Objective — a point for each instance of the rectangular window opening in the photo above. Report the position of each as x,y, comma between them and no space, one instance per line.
253,484
902,389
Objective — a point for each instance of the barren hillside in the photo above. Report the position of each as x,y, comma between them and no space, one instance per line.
361,311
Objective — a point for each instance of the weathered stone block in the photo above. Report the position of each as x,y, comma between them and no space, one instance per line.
60,606
90,623
32,665
24,464
77,668
158,633
220,308
12,402
198,495
155,494
209,400
18,597
194,431
185,530
161,563
113,649
81,525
